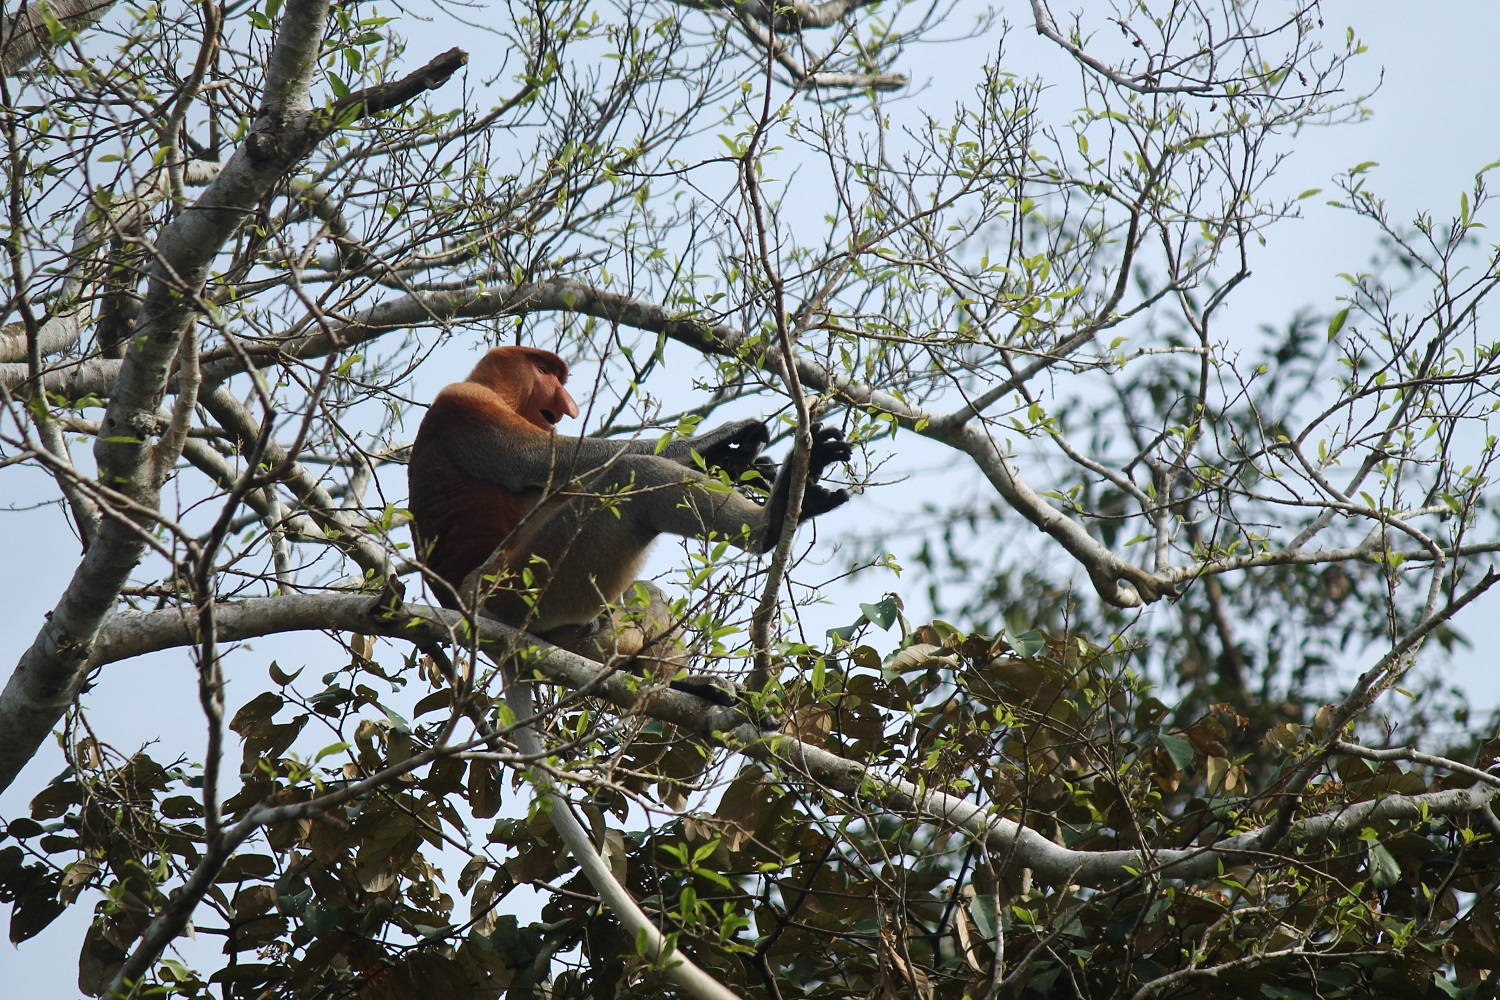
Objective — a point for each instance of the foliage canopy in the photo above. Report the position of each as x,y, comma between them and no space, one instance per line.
1192,566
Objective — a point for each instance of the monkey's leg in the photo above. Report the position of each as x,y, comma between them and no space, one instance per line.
643,635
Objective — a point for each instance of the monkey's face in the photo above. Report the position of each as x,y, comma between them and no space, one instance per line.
530,381
547,402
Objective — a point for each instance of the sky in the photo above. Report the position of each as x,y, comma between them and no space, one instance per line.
1431,130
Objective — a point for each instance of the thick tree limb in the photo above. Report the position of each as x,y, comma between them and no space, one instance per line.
47,677
24,35
133,633
385,96
786,15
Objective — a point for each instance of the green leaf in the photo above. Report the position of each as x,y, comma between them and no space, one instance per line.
1385,871
1337,322
982,912
1179,748
1028,644
881,613
844,633
330,750
281,677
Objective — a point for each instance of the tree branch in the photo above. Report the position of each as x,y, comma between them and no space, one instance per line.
786,15
385,96
24,35
131,634
103,216
315,499
49,672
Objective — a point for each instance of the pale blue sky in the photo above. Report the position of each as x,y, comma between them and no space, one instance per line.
1432,129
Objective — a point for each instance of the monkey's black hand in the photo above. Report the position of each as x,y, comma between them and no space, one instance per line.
735,447
828,448
820,500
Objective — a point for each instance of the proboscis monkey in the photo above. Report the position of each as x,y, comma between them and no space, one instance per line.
545,531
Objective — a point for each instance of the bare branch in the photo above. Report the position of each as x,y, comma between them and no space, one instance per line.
25,35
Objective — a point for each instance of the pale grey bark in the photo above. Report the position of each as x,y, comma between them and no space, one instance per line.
24,35
101,219
131,634
48,674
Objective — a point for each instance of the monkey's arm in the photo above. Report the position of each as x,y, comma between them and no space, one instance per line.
647,494
734,447
600,506
694,506
520,460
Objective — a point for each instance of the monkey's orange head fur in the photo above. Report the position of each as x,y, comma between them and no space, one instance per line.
530,381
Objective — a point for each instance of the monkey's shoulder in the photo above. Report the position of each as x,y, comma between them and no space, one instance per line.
468,404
